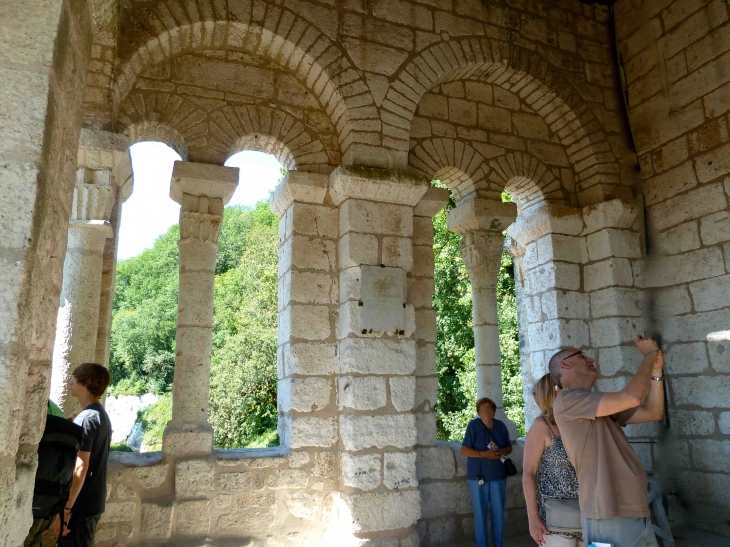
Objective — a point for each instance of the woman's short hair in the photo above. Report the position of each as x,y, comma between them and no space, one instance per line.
545,392
486,401
93,377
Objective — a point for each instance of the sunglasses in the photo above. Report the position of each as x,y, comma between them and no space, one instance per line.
582,354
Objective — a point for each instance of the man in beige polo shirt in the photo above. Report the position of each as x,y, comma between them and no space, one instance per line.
611,479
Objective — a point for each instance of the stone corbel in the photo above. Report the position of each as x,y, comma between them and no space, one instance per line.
432,202
482,214
609,214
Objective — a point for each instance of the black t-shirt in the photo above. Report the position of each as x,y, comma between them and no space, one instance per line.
97,437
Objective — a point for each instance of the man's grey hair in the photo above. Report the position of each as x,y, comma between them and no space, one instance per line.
554,366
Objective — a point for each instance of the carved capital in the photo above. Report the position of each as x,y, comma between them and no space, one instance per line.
609,214
482,214
481,251
200,226
92,202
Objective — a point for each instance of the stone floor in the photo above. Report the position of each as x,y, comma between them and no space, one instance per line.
683,538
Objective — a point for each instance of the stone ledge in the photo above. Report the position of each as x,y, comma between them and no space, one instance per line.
137,459
374,184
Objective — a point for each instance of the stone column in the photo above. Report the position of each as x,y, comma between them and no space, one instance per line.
202,190
482,223
377,354
78,312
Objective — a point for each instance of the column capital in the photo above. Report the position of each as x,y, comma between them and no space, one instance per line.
432,202
375,184
298,186
482,249
482,214
203,180
609,214
92,202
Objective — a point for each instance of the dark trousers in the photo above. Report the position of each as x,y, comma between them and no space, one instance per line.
82,532
36,531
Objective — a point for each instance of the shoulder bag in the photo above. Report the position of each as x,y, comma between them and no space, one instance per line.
563,515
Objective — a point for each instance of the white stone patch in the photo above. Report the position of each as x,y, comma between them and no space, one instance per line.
399,470
362,472
362,392
361,432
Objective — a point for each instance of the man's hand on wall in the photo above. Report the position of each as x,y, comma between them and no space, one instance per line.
645,344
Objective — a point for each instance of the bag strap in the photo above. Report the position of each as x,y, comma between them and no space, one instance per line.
492,438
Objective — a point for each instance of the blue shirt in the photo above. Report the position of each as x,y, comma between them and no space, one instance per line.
478,437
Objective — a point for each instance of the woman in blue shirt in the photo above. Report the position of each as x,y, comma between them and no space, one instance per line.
486,444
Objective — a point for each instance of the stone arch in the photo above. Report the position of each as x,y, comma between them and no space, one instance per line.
155,131
543,87
453,161
529,180
160,32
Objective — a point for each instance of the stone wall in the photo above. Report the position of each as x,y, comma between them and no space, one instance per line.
676,58
41,85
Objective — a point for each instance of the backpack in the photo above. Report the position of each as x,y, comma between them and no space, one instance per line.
57,452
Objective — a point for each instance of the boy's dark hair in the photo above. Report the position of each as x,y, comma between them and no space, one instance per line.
94,377
486,401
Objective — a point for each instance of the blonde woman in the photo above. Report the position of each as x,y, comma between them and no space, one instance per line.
546,470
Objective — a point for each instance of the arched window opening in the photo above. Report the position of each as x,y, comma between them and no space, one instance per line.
242,404
455,355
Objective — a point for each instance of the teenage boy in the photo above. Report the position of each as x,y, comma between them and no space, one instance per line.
86,501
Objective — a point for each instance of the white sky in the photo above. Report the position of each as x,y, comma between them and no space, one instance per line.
149,211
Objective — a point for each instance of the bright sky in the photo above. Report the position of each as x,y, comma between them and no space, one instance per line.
149,211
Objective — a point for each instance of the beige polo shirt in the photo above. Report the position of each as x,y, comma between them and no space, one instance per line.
611,478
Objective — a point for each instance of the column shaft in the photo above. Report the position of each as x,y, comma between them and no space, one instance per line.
78,312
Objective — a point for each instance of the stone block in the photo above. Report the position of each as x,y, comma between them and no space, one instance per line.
425,323
310,358
724,423
397,252
679,239
420,292
298,186
355,249
247,480
616,301
711,294
156,521
674,270
613,243
312,288
562,247
315,220
435,463
710,454
551,335
694,423
403,392
304,322
377,356
192,517
426,428
703,391
715,228
312,432
119,512
614,331
690,205
423,261
363,432
361,472
563,305
367,217
686,358
670,301
287,479
305,394
425,360
441,498
441,531
303,505
704,326
391,511
493,118
426,390
308,253
613,271
719,354
362,392
194,478
423,231
713,164
554,275
399,470
618,359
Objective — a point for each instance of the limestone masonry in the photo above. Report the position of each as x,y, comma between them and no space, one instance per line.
609,127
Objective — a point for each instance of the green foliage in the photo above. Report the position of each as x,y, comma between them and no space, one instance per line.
455,335
243,369
120,447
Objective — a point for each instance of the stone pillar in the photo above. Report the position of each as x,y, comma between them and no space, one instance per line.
202,190
377,354
78,312
482,223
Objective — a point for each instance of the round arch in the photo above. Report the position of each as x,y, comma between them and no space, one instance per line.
525,73
145,130
158,33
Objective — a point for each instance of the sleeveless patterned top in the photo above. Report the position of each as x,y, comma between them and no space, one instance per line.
556,477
